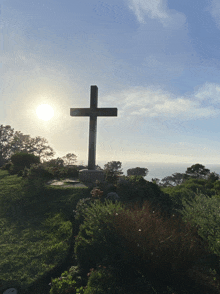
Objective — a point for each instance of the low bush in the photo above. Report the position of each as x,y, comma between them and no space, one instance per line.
166,249
102,281
69,282
20,160
135,189
97,241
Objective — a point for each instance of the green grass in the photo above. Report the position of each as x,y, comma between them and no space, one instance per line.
35,230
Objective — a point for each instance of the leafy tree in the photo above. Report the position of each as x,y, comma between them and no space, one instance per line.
155,181
37,146
6,136
57,162
174,180
213,177
69,159
197,171
12,142
97,167
138,171
112,171
167,181
114,167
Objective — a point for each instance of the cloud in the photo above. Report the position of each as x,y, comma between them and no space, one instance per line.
157,10
214,9
151,103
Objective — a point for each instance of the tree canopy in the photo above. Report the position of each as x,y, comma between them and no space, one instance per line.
113,167
137,171
69,159
197,171
12,142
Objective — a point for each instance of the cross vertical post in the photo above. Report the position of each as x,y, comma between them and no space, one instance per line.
93,127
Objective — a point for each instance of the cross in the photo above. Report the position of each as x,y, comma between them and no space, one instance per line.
93,112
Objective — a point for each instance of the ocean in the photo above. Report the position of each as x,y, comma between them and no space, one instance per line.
162,170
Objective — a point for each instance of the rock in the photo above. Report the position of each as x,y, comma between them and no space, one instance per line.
112,196
10,291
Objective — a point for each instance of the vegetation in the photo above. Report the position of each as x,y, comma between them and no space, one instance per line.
137,171
156,239
12,142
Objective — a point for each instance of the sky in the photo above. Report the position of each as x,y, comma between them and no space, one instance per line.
157,61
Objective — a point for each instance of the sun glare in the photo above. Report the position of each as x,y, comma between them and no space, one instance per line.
45,112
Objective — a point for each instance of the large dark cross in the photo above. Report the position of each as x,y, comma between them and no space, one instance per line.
93,112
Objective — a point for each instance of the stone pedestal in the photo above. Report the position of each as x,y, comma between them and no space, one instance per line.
90,176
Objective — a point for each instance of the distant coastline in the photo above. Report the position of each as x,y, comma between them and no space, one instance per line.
161,170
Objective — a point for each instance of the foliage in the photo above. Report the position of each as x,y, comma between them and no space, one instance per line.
12,142
101,281
36,234
112,171
136,189
69,282
6,136
188,189
197,171
20,160
57,162
69,159
7,166
96,241
138,171
213,177
163,248
175,179
203,211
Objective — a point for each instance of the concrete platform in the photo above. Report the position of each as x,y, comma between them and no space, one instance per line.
73,183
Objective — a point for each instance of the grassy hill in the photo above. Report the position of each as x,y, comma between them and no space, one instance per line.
38,233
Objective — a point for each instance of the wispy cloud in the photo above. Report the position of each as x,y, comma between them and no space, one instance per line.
157,10
214,9
156,103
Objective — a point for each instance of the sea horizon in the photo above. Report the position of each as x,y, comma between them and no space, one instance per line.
161,170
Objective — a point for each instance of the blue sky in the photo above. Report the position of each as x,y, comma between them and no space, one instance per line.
156,61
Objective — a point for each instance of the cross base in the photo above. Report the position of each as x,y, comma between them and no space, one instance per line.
90,176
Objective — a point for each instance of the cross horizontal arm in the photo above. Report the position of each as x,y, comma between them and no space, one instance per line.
93,112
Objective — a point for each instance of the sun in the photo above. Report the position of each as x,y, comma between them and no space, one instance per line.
45,112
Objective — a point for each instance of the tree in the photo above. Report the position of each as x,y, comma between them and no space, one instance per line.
138,171
174,180
155,181
112,171
12,142
69,159
37,146
97,167
114,167
6,136
57,162
197,171
167,181
213,177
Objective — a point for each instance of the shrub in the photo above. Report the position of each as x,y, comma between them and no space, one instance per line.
20,160
136,189
7,166
164,248
71,172
96,241
69,282
36,177
101,281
